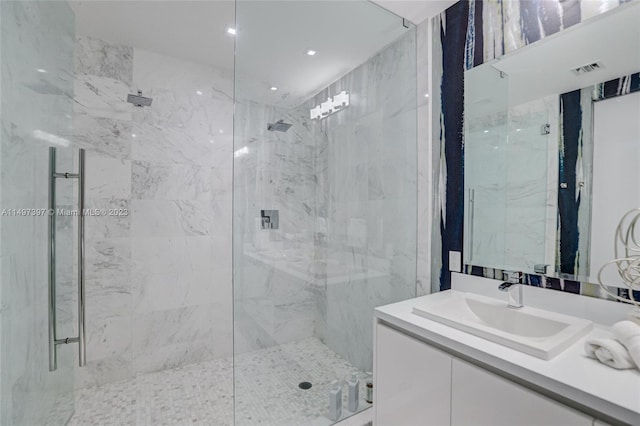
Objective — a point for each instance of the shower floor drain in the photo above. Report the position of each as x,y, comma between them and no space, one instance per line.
305,385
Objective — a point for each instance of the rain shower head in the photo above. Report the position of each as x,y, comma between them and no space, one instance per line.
139,100
278,126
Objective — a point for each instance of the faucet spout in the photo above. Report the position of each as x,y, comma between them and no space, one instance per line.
515,294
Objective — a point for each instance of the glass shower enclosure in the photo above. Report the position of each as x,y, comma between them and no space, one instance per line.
324,200
245,210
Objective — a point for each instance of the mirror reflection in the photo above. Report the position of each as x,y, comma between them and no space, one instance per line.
552,143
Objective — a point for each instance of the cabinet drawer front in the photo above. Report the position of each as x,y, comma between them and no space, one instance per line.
412,381
480,398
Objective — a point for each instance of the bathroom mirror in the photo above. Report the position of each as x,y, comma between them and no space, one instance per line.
552,143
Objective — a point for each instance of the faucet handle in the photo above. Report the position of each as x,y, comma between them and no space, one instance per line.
506,285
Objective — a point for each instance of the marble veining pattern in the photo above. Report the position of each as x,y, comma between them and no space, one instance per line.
158,266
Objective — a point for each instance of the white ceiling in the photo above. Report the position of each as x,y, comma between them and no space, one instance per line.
415,11
544,68
192,30
272,37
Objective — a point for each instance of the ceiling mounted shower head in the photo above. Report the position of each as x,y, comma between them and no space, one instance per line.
139,100
278,126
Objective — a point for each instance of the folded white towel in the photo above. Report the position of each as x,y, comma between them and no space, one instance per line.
609,352
628,333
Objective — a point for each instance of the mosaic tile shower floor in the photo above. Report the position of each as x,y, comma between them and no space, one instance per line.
202,394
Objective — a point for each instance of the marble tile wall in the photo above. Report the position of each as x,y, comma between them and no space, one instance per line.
274,278
159,270
367,198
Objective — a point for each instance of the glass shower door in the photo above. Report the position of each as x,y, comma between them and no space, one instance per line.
324,226
37,107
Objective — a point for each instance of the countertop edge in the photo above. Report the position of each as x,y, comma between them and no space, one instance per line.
583,401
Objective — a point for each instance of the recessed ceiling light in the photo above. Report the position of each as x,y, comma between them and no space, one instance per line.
486,131
133,135
231,31
199,92
517,130
311,52
274,88
426,95
42,70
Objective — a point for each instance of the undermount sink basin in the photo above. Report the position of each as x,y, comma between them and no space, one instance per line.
536,332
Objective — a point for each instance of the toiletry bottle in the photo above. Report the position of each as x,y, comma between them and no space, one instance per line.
335,401
369,386
354,391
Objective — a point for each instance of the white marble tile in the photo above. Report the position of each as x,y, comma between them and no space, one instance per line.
193,281
107,338
107,178
160,218
95,57
109,297
102,97
100,372
104,136
171,182
116,223
108,260
170,145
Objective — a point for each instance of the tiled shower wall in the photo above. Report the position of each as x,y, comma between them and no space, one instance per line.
274,284
366,198
159,272
345,188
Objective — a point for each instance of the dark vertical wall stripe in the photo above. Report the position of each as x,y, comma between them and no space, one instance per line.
453,38
568,203
635,82
571,13
478,57
529,21
550,17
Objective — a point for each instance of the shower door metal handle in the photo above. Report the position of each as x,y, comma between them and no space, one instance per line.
51,249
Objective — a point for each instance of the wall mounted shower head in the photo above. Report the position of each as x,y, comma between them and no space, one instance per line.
278,126
139,100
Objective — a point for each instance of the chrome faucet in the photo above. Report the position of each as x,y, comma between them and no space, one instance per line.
515,294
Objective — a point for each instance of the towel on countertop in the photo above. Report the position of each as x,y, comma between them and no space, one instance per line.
628,333
609,352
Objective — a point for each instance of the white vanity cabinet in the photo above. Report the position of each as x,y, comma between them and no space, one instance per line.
479,397
419,385
412,381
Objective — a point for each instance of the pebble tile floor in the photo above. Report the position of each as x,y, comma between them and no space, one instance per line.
267,391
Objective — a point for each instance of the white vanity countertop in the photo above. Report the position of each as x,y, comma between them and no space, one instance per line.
571,374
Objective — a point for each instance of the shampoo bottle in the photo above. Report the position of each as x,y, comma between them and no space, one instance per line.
335,401
354,391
